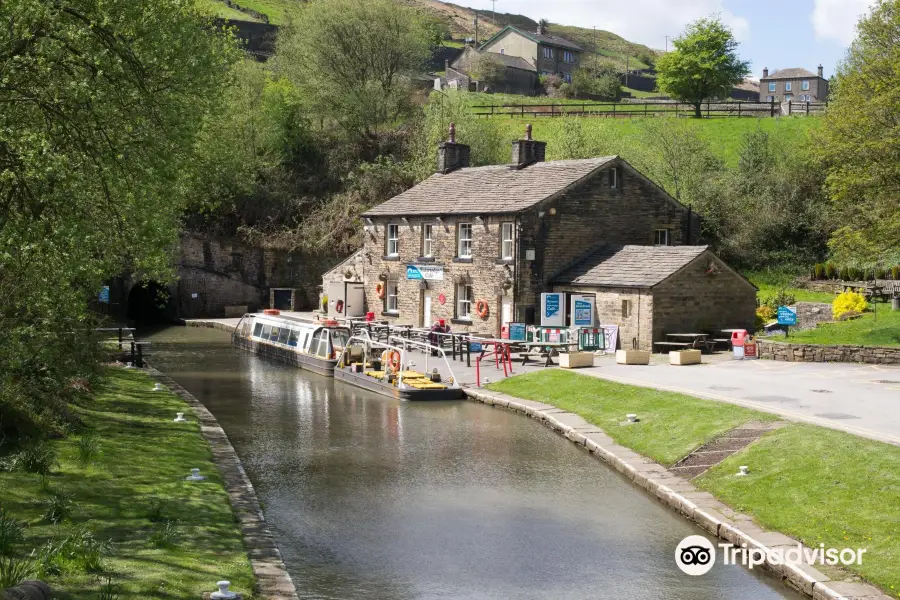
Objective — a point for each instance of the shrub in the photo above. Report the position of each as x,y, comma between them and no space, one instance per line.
58,507
855,273
88,448
895,273
880,273
782,298
163,535
77,551
830,271
11,533
764,315
14,571
844,274
155,511
848,302
108,591
38,457
819,271
325,303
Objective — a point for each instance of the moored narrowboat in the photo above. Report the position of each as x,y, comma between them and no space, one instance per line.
304,344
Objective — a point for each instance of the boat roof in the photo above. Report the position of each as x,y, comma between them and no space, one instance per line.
298,321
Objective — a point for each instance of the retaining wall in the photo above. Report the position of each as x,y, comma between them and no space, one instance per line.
820,353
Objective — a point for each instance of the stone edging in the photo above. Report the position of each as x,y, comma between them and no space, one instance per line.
272,579
786,351
209,325
679,494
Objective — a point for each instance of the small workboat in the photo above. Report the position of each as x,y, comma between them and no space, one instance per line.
314,346
388,369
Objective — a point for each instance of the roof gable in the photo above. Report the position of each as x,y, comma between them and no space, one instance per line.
796,73
547,40
614,265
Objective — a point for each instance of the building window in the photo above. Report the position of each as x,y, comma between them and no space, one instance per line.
567,77
546,73
426,240
568,57
464,297
614,178
464,233
788,97
787,86
770,98
661,237
502,51
626,309
506,241
548,52
393,240
771,86
804,86
390,297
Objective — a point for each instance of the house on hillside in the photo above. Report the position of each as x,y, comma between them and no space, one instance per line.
797,85
526,56
478,246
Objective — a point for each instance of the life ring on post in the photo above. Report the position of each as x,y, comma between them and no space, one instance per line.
394,360
339,307
482,309
379,289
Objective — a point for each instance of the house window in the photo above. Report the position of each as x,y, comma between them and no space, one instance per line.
787,86
506,241
771,86
567,77
788,97
661,237
804,86
426,240
546,73
464,295
626,309
393,240
502,50
614,178
390,298
464,233
770,98
548,52
568,57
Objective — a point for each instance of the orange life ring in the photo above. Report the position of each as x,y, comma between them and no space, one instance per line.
394,360
339,307
379,289
482,309
271,311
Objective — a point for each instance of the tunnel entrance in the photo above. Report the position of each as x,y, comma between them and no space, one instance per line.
150,302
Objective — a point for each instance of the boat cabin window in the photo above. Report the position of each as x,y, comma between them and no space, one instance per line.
339,337
324,343
283,335
257,329
266,330
273,336
292,341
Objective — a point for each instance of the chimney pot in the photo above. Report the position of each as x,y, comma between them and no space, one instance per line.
528,151
765,71
452,156
528,132
452,133
821,71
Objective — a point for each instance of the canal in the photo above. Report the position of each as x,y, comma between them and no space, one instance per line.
371,498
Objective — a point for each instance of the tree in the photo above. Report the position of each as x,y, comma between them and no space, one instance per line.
860,143
102,103
703,65
603,82
352,60
488,70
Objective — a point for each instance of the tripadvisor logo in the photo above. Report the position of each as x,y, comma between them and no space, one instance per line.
696,555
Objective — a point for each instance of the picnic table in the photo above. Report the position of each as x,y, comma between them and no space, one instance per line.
696,341
545,350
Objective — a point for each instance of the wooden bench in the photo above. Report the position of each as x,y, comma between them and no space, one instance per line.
673,345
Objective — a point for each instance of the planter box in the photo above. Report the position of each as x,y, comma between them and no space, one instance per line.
632,357
684,357
575,360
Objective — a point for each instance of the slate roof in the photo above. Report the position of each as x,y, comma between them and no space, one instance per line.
549,40
515,62
613,265
486,190
791,74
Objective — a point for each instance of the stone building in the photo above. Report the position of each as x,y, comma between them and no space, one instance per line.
793,85
547,54
649,291
504,234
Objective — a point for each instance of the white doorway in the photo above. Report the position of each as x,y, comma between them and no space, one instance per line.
426,308
506,310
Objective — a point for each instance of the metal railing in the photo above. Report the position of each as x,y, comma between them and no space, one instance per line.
709,109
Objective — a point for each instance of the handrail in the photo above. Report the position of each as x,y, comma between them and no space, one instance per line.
427,349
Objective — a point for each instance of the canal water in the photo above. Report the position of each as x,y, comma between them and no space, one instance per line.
370,498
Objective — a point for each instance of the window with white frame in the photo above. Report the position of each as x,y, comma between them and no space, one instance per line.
548,52
464,296
787,86
391,305
393,240
804,86
568,57
506,241
567,77
771,86
661,237
426,240
788,97
464,235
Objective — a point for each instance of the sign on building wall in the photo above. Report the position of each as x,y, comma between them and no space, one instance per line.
582,310
426,272
104,294
552,314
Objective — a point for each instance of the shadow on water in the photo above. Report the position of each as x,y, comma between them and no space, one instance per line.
377,499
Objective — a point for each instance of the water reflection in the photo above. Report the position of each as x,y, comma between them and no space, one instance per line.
377,499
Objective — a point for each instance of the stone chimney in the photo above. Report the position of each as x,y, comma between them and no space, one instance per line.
821,72
528,151
452,156
765,72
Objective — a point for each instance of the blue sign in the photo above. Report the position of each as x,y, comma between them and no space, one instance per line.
551,307
475,346
517,332
584,313
425,272
104,294
787,316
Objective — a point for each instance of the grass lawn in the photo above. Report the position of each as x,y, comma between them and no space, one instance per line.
821,486
168,538
864,331
671,425
772,282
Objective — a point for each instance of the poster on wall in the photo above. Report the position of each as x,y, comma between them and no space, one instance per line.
552,314
582,310
425,272
611,335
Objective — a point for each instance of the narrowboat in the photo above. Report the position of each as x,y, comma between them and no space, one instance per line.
304,344
389,369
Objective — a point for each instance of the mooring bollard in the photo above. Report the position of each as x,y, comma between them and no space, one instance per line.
744,471
195,476
179,418
158,387
223,593
632,418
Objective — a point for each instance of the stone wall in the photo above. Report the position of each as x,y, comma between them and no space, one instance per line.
637,324
694,301
810,314
818,353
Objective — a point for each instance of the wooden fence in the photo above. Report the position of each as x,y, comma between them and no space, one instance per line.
647,109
